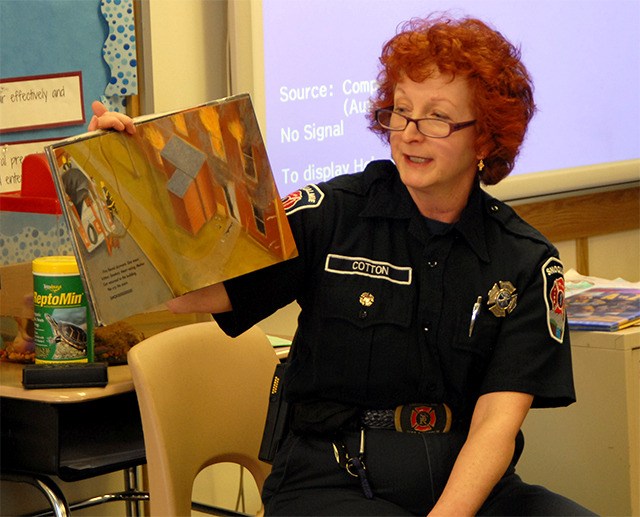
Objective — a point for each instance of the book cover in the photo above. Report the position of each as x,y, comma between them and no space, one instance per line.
186,202
604,308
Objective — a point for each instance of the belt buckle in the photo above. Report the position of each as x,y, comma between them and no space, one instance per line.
423,418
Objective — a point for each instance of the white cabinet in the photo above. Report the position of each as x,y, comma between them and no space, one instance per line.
590,451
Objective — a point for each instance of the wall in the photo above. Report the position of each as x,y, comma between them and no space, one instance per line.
184,53
615,255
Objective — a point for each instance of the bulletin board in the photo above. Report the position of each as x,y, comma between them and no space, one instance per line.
56,58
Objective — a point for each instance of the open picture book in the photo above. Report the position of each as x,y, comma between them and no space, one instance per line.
188,201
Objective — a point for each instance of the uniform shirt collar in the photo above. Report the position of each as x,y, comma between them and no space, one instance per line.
389,198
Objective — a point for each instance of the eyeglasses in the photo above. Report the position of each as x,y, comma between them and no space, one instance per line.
431,127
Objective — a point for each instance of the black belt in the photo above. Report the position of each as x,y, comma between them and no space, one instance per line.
410,418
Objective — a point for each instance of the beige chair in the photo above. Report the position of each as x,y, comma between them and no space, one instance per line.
203,400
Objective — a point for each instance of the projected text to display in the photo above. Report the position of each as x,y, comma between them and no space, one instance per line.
321,64
309,135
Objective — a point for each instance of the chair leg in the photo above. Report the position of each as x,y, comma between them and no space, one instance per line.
61,508
131,486
132,496
53,493
128,497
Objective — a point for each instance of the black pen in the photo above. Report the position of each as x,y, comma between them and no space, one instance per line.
474,314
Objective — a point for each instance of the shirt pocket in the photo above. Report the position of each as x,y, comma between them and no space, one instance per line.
365,339
476,339
361,302
471,354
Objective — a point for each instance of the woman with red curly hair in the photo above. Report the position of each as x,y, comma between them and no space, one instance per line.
499,84
432,316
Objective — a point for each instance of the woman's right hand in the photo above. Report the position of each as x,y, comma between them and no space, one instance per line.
105,119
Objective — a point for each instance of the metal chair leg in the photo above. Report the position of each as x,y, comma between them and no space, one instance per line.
61,508
131,486
53,493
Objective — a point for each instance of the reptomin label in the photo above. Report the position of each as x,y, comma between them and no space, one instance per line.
63,330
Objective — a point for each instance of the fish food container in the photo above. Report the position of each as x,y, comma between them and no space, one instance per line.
63,329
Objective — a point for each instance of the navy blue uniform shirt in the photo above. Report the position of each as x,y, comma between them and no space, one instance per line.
387,299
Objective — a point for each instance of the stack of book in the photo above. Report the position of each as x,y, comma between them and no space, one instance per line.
595,304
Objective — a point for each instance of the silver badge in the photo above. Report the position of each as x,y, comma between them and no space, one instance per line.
502,298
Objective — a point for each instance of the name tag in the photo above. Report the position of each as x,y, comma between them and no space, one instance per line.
366,267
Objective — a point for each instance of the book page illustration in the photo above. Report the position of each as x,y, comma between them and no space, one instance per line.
187,201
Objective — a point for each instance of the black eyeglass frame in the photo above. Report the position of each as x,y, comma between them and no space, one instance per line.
453,126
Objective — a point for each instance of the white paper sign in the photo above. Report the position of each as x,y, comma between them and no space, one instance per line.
37,102
11,156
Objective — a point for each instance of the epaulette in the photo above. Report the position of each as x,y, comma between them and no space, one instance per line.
509,219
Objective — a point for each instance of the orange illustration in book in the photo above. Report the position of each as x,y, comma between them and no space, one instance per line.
153,140
211,121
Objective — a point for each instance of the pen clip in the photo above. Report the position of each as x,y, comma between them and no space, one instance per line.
474,314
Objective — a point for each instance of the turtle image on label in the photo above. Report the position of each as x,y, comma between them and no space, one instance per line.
70,339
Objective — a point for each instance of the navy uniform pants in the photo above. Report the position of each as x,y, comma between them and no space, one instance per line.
407,473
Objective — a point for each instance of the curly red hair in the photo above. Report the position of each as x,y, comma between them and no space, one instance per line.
501,88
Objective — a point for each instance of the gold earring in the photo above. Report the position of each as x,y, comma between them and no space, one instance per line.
480,165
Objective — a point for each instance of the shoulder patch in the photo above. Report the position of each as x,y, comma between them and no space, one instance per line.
307,197
553,282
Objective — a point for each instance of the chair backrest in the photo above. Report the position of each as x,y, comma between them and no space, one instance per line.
203,399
